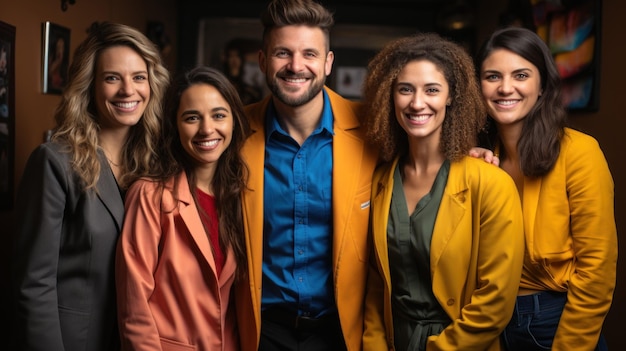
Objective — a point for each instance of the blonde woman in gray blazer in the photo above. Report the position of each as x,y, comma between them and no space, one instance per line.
70,201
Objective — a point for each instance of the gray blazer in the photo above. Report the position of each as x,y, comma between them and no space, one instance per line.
64,255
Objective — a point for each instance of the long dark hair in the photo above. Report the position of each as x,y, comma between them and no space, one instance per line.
543,127
231,172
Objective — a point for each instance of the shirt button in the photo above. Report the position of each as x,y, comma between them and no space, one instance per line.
450,302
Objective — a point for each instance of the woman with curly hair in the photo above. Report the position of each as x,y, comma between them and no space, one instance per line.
184,247
70,204
446,228
564,181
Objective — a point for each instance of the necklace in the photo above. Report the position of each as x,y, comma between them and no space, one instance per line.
112,163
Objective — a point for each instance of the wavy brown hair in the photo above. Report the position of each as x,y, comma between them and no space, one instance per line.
231,172
76,115
540,142
465,115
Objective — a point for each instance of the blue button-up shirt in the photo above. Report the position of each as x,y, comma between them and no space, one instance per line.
297,249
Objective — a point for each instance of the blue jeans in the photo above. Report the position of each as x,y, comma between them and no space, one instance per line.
534,322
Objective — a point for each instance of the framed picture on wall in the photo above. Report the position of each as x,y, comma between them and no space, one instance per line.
56,57
7,114
572,31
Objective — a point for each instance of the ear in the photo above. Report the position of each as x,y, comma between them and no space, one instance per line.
449,102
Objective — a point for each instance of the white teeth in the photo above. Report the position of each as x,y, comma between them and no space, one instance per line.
126,104
419,118
506,102
299,80
208,143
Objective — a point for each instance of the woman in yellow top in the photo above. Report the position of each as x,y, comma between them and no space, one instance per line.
566,188
446,227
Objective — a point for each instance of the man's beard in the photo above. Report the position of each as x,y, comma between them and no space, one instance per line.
300,100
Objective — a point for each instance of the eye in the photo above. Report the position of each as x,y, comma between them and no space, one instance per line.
521,76
432,90
219,116
404,90
111,78
491,77
282,53
140,77
191,118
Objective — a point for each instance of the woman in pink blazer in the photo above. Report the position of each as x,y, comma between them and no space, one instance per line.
181,247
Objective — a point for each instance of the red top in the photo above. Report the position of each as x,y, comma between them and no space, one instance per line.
209,217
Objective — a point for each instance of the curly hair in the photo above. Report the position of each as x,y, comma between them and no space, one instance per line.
543,128
280,13
231,172
77,118
464,117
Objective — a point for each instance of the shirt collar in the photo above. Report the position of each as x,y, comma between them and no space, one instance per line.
326,123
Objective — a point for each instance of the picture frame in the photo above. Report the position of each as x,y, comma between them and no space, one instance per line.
55,58
572,31
7,115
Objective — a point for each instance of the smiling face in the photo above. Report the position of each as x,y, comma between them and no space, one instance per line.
205,124
296,63
121,88
420,95
511,86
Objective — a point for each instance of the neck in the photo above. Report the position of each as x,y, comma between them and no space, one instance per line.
300,121
112,143
509,137
204,178
423,156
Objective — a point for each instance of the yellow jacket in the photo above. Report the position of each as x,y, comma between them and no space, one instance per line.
571,239
476,258
353,166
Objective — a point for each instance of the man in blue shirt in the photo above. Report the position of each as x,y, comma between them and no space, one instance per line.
307,207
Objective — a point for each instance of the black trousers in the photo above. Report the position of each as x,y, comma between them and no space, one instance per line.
282,331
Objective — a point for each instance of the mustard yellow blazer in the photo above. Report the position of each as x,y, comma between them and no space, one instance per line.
353,166
476,256
571,238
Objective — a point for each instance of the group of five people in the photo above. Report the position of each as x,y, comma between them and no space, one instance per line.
184,220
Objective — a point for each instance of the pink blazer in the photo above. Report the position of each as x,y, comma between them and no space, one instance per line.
169,296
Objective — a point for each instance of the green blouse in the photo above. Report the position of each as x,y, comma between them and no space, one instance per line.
416,312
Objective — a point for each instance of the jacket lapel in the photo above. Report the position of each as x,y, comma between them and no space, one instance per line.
109,193
348,149
191,217
453,206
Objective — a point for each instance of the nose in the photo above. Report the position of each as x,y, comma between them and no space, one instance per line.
207,126
506,86
127,87
296,63
417,102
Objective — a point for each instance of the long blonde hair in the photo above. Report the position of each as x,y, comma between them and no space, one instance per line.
76,116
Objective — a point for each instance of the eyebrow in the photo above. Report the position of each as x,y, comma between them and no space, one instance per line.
215,109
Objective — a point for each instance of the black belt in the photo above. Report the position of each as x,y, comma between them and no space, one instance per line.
293,321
